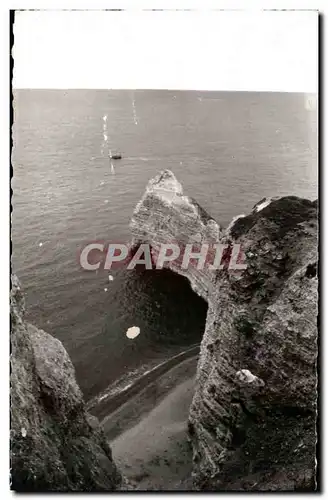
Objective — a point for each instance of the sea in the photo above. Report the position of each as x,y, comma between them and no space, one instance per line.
228,149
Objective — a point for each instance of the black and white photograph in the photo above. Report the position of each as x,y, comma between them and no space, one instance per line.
164,272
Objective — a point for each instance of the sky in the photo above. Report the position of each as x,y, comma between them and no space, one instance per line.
196,50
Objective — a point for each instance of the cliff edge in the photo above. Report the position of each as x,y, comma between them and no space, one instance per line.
252,421
55,444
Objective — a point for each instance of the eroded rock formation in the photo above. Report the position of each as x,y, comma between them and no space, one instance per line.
253,418
55,444
165,215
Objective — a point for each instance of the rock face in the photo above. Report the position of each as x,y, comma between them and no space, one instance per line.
55,444
164,215
253,417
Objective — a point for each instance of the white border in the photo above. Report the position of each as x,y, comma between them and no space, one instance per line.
244,50
4,256
4,179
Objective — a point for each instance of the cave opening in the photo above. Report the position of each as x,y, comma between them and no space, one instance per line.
175,314
171,318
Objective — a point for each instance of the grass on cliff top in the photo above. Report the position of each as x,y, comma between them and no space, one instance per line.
284,213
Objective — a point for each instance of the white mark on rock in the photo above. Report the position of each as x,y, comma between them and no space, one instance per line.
105,289
245,376
106,201
24,432
102,183
40,244
262,205
132,332
110,277
248,377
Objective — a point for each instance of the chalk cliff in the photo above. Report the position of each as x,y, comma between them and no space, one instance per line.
165,215
55,444
252,421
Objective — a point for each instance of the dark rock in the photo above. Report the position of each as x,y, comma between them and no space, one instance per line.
55,444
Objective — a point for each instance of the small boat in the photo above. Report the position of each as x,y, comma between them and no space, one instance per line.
115,156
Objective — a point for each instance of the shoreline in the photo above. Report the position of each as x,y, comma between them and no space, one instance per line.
110,404
142,404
